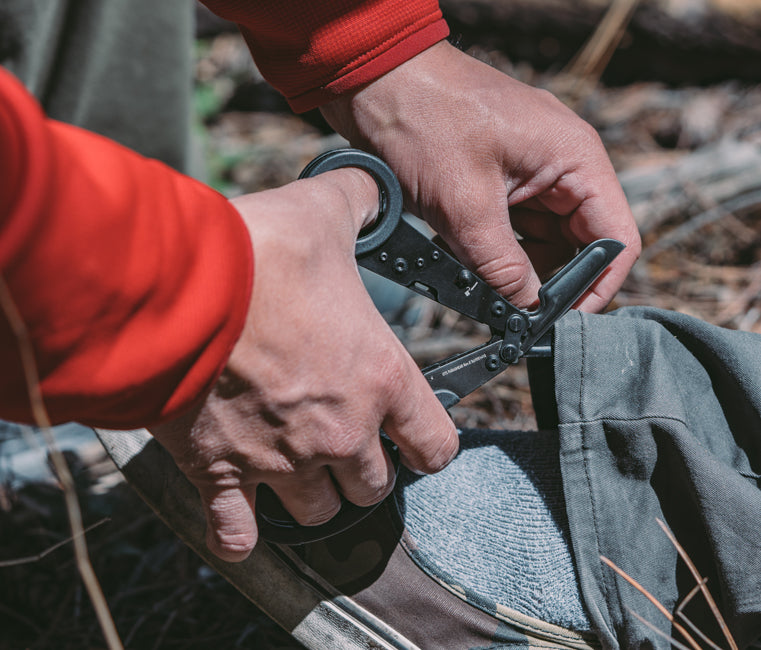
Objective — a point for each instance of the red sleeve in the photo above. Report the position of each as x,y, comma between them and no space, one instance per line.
313,51
132,279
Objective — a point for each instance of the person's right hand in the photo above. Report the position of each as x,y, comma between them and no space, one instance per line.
314,376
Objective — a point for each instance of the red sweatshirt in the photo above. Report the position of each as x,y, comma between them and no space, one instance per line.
132,279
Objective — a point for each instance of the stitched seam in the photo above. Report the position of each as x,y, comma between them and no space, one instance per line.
603,584
639,418
583,366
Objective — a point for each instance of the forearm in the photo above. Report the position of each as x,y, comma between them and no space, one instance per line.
132,279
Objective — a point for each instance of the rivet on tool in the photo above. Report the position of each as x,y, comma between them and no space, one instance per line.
435,256
492,362
400,265
419,262
383,257
464,278
515,323
497,308
509,354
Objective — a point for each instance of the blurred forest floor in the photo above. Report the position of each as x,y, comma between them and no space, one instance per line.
679,110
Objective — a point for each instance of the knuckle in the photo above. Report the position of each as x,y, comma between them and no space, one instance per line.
317,513
218,474
440,457
509,277
373,494
347,442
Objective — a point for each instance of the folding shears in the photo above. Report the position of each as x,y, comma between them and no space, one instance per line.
396,250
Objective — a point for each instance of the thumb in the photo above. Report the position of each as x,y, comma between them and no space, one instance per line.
230,527
417,422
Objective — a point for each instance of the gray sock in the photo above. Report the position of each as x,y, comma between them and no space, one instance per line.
494,522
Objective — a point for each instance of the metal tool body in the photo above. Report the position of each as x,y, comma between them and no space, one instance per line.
394,249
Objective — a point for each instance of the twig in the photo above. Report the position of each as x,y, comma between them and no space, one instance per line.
164,629
690,596
40,415
696,574
588,66
740,302
695,223
697,631
680,613
36,558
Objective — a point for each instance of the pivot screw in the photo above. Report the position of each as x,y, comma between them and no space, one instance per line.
510,354
515,323
492,362
400,265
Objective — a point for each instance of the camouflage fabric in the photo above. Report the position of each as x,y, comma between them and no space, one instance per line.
377,564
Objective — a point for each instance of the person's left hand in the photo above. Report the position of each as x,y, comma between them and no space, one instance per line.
482,156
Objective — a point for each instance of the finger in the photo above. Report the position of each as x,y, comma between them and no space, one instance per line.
230,527
548,257
311,498
418,423
488,245
607,215
367,478
606,286
541,225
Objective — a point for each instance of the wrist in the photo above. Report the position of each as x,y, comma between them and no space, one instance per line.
365,116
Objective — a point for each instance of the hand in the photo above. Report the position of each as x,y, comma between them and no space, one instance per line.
482,156
314,376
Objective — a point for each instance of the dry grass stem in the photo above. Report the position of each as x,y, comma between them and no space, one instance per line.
666,613
36,558
680,613
660,633
700,587
591,61
42,420
701,583
703,637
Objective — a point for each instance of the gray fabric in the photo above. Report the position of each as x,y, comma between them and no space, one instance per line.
121,69
660,417
498,528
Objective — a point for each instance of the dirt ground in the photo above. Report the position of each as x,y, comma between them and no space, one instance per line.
689,157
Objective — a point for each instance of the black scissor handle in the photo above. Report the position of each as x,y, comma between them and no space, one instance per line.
390,192
276,524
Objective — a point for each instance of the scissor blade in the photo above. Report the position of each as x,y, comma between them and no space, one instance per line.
459,375
561,292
